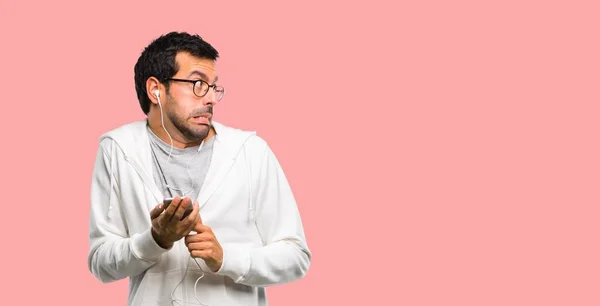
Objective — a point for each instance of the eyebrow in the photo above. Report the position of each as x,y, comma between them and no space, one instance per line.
202,75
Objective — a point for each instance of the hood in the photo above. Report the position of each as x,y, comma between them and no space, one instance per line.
133,141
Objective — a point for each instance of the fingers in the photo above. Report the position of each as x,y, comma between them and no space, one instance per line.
201,237
170,211
193,218
190,221
199,246
180,217
189,216
177,215
204,254
194,215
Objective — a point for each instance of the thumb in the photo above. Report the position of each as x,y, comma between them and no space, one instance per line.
198,228
198,224
199,215
156,211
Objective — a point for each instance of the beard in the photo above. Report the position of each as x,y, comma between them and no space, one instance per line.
192,132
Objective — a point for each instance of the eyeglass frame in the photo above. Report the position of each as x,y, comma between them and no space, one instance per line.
214,86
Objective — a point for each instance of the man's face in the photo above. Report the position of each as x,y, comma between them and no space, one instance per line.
190,114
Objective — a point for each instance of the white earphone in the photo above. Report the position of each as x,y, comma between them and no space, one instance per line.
185,193
162,121
157,95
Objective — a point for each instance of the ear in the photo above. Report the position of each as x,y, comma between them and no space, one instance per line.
153,85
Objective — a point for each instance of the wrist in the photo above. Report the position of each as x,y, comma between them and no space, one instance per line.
215,265
163,243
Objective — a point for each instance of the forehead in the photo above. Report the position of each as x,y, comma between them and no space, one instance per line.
190,65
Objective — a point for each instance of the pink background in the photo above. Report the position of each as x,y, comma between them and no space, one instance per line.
442,153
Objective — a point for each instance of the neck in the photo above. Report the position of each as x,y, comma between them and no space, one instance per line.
179,141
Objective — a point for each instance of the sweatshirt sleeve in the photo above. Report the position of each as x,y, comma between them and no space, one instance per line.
285,256
113,253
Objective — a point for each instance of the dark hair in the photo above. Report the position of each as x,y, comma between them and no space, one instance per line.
158,60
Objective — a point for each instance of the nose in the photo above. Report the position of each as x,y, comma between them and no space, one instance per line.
210,98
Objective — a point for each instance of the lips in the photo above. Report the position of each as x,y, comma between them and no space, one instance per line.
202,119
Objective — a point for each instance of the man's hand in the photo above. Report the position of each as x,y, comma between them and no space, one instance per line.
205,245
167,226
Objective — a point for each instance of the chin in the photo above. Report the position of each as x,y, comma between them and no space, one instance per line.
202,127
199,131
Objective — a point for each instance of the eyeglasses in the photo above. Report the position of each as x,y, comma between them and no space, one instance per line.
201,88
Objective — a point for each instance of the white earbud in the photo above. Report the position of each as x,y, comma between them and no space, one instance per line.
157,95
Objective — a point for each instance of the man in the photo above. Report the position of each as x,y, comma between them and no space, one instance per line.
232,227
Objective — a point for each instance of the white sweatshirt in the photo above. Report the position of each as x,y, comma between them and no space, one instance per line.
246,200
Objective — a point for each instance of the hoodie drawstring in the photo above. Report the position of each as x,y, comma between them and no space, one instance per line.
250,202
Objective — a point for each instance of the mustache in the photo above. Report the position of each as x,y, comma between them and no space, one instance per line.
200,111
